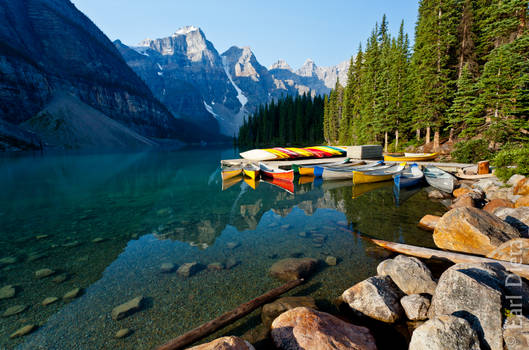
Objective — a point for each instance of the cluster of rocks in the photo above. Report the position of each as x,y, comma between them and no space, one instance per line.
11,291
191,268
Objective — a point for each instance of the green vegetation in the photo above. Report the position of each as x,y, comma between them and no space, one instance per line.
471,151
509,157
289,120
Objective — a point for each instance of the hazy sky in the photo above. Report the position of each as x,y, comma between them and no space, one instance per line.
327,31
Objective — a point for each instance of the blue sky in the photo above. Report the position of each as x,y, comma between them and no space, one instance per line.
326,31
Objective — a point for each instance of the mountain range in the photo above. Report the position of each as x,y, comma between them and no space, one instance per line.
64,84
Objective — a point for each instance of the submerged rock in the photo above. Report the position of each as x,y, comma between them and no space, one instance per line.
74,293
127,308
42,273
307,329
122,333
409,274
98,240
445,332
49,300
8,260
376,297
415,306
23,331
7,292
225,343
231,263
232,245
14,310
292,268
188,269
60,278
216,266
331,260
272,310
471,230
167,267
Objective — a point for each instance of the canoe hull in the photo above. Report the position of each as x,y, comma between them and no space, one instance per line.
412,158
276,173
252,174
439,179
362,178
228,174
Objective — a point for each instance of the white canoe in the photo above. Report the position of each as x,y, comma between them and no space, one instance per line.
258,155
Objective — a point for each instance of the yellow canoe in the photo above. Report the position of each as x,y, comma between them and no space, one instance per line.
411,157
251,170
279,154
371,176
300,151
230,172
327,149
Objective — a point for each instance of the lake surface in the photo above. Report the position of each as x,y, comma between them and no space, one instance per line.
106,223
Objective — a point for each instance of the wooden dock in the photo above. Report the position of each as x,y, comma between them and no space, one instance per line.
287,164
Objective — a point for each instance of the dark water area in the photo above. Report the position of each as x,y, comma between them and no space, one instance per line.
106,223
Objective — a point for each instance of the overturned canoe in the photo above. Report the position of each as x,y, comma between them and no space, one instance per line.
410,157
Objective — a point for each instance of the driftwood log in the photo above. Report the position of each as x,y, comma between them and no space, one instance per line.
229,317
427,253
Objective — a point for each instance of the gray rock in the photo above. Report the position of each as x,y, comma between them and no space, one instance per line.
42,273
231,263
167,267
473,292
331,260
98,240
216,266
410,274
8,260
516,217
14,310
513,180
516,332
232,245
415,306
225,343
436,194
376,297
127,308
445,332
188,269
122,333
7,292
292,268
487,185
60,278
272,310
23,331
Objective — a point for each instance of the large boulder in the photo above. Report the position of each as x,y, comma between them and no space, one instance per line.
376,297
521,187
445,332
477,293
497,203
516,332
518,218
428,222
515,251
272,310
293,268
513,180
307,329
522,202
415,306
472,230
225,343
409,274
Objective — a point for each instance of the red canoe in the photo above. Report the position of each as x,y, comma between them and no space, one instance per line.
276,173
319,153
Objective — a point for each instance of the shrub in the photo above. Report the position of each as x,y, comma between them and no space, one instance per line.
471,151
512,159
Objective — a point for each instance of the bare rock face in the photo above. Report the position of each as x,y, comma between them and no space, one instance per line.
472,230
306,329
272,310
410,274
518,218
475,292
428,222
127,308
225,343
415,306
292,268
376,297
445,332
515,251
516,332
497,203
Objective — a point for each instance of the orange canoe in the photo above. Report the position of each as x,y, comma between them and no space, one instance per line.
276,173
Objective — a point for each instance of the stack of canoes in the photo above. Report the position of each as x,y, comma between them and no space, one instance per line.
293,153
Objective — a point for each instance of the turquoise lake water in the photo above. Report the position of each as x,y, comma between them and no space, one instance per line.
107,222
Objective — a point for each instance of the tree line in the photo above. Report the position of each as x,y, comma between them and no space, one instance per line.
466,77
290,120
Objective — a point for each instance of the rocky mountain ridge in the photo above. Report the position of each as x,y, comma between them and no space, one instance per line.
221,89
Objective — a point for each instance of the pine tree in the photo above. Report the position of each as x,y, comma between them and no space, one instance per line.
464,117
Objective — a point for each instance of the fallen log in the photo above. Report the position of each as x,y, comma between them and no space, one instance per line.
228,317
427,253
